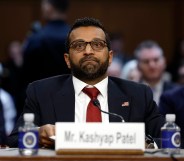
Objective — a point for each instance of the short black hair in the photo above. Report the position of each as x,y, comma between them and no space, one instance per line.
60,5
85,22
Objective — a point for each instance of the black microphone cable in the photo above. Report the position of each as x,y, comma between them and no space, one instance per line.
149,140
97,104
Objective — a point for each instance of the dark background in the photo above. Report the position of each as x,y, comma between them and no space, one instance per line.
160,20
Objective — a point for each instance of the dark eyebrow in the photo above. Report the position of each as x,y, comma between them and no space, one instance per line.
77,40
81,40
97,39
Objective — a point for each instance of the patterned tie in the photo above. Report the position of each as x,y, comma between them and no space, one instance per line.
93,113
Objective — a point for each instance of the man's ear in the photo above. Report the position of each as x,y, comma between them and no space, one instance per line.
66,57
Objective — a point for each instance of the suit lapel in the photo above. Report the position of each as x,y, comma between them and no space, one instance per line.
64,102
118,102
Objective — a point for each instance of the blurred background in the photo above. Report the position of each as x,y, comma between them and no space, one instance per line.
137,20
24,57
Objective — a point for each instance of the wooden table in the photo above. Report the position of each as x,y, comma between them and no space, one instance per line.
50,155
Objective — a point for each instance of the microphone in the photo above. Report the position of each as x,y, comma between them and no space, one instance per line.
148,139
97,104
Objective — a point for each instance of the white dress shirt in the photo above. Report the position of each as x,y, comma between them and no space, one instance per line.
157,90
82,100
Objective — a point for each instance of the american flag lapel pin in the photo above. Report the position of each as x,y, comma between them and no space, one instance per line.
125,104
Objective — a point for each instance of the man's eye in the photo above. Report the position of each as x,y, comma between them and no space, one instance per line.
156,59
97,44
78,45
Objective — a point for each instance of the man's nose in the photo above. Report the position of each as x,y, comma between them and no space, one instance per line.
89,49
152,63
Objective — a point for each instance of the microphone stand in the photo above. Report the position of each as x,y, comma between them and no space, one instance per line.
97,104
148,139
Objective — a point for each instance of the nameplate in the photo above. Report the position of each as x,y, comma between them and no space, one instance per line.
100,136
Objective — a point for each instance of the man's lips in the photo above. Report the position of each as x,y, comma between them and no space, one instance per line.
89,60
89,63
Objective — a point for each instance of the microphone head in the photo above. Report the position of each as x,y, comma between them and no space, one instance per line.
96,102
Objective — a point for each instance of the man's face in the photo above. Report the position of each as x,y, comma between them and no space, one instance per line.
151,63
46,9
89,63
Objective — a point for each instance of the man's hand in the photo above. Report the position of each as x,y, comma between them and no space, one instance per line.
45,132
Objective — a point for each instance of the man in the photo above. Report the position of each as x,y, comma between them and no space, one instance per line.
152,64
172,102
43,49
12,81
64,98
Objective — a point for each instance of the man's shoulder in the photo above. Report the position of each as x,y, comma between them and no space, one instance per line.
129,87
48,34
126,83
172,93
55,28
169,85
52,81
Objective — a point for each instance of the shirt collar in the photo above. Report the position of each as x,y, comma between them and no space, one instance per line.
101,86
159,86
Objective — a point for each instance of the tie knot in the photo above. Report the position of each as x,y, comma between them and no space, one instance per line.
91,92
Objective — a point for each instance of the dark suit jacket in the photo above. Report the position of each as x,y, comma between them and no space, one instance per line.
168,86
44,50
172,101
53,100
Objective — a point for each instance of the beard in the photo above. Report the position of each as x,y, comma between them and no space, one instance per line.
89,70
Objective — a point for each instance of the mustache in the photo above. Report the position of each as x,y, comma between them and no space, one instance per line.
88,58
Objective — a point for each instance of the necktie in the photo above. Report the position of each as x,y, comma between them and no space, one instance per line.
93,114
